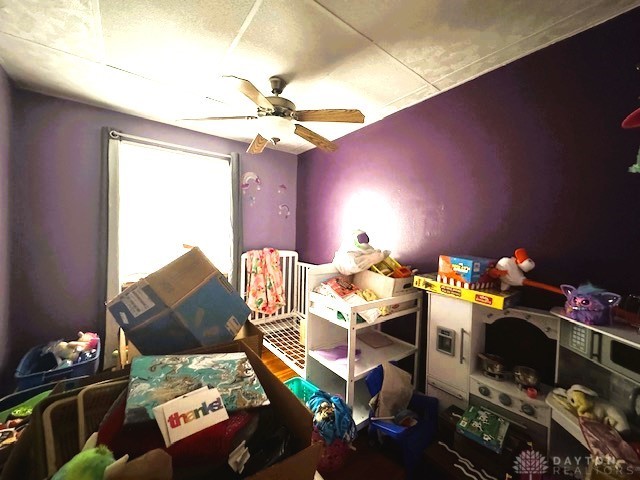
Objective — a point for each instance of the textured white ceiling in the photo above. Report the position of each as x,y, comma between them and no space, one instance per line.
163,59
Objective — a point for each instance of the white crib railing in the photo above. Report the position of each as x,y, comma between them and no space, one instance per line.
281,329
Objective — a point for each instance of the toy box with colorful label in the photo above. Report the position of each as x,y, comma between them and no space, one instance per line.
465,271
489,297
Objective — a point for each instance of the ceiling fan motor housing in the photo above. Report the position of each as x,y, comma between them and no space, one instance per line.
277,85
281,107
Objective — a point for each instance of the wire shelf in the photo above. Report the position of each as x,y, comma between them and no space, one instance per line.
282,337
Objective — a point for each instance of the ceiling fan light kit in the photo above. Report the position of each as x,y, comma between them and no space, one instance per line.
273,127
276,115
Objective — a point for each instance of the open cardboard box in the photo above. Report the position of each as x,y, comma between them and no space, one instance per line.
28,459
249,334
186,304
301,465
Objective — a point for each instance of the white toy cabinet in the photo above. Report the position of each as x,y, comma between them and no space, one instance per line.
285,336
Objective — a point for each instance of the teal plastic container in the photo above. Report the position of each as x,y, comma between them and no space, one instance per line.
301,388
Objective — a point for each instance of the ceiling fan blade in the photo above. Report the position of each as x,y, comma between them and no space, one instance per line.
318,140
252,93
330,115
258,144
241,117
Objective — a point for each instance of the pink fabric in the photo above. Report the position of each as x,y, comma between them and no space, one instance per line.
605,441
266,292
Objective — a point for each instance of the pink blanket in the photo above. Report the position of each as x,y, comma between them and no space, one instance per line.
266,293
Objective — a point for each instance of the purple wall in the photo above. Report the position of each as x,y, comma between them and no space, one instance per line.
5,125
56,157
265,219
531,155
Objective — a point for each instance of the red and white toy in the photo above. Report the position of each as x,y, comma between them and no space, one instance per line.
510,271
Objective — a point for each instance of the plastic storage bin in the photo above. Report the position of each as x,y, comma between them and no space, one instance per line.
27,378
301,388
29,397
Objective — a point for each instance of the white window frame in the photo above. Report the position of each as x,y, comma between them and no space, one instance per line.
112,257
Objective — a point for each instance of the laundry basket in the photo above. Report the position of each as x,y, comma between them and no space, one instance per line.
334,455
93,403
301,388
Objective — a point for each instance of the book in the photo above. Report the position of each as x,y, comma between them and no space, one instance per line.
157,379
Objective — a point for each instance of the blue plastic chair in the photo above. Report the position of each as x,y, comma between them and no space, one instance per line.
412,440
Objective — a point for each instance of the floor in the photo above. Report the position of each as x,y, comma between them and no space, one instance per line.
366,461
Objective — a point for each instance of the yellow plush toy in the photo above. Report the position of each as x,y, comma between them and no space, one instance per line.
581,401
585,403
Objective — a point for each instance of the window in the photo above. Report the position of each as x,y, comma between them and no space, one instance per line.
163,199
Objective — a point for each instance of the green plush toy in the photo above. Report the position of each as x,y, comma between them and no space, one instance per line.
89,464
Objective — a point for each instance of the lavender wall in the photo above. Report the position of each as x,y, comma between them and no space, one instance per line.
529,155
56,156
5,125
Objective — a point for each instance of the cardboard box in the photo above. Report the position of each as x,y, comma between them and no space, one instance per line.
28,460
382,285
465,271
490,298
185,305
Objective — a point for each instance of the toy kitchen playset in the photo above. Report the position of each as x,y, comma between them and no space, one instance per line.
523,364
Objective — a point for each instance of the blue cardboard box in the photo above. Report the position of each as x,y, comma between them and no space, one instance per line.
185,305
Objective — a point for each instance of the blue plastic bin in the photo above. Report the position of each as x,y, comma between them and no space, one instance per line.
26,378
301,388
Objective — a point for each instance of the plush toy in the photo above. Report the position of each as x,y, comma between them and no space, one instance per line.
356,255
582,400
98,463
589,305
71,352
67,351
89,464
510,271
586,404
86,341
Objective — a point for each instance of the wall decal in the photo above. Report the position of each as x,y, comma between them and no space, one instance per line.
283,210
248,179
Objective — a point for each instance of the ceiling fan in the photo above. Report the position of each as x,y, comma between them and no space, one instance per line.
276,115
